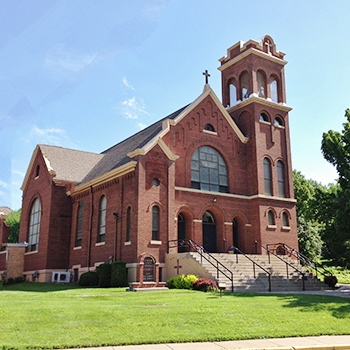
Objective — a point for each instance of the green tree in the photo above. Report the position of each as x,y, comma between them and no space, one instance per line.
13,219
336,201
310,229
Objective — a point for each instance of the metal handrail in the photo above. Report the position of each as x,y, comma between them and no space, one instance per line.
286,262
202,252
237,250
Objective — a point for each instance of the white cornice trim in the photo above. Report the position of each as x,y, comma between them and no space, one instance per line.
122,170
248,52
262,101
237,196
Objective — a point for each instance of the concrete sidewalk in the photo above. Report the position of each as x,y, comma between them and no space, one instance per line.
305,343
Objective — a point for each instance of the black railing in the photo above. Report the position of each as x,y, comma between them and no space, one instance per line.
192,245
270,252
315,267
238,253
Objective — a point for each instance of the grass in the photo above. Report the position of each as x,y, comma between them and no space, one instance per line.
38,316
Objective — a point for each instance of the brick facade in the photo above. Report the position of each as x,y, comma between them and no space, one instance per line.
154,179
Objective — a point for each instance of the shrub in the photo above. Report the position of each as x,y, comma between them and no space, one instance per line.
20,279
104,272
331,281
181,282
205,284
119,274
88,279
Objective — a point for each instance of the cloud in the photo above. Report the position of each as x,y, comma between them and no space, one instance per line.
153,11
127,84
4,184
61,60
53,136
133,108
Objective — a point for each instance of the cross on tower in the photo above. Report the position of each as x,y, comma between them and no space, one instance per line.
177,267
207,75
268,45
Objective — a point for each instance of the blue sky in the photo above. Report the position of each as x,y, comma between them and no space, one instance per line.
87,74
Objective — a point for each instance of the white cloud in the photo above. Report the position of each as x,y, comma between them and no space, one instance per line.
133,108
61,60
52,136
154,10
4,184
127,84
141,126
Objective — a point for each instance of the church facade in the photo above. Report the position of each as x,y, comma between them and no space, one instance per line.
218,173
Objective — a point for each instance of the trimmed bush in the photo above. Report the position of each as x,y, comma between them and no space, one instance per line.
181,282
205,285
331,281
119,274
88,279
104,272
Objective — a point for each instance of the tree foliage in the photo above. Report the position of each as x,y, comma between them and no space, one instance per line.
336,201
13,219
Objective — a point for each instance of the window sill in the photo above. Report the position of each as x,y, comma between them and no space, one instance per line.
285,228
271,227
155,242
210,132
127,243
99,244
77,248
33,252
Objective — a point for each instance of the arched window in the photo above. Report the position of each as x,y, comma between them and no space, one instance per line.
261,84
208,170
209,127
233,93
102,220
280,178
263,117
278,122
34,226
273,89
79,230
267,177
37,171
155,223
128,225
271,218
285,219
244,86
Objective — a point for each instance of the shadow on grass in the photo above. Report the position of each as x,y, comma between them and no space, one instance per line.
338,306
38,287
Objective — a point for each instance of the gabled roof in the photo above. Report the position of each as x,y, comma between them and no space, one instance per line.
64,164
4,211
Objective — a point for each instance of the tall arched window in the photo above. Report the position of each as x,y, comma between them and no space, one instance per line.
233,93
271,218
128,225
280,178
267,177
34,225
155,223
208,170
285,219
79,229
102,220
244,81
261,84
273,89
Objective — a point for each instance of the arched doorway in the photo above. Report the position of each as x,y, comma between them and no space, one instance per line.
209,232
235,233
181,232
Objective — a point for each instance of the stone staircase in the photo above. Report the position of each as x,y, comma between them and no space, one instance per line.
283,276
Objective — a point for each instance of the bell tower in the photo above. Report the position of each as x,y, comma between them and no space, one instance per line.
253,93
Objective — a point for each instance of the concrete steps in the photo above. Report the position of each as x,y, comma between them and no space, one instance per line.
283,276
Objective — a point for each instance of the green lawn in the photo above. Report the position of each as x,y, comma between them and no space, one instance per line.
50,316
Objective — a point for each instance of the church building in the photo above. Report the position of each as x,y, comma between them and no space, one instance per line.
216,172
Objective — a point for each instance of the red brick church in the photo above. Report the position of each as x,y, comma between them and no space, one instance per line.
214,172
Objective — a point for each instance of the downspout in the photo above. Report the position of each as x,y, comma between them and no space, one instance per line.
121,221
90,229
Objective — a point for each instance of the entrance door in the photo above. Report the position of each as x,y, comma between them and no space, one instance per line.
181,235
209,232
235,233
